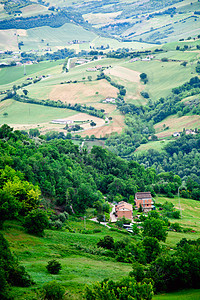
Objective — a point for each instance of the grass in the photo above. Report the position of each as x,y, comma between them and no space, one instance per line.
163,76
188,56
32,113
80,268
55,37
181,295
13,74
190,219
156,145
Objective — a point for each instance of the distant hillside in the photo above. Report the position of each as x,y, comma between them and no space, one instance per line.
148,21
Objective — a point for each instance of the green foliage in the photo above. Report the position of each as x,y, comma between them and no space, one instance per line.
180,270
10,271
152,248
53,291
36,221
9,207
155,228
53,266
127,288
107,242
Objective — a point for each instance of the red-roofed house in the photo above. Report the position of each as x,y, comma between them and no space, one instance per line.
144,199
124,209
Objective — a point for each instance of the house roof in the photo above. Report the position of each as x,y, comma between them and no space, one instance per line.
122,205
143,195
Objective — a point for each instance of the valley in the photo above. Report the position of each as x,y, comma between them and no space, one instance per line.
99,103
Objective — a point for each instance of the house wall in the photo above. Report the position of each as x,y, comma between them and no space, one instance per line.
144,203
126,214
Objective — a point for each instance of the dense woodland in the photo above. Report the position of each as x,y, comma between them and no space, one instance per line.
75,178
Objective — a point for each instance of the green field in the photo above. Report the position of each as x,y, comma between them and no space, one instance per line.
163,76
188,56
78,268
176,124
190,210
23,113
55,37
157,145
13,74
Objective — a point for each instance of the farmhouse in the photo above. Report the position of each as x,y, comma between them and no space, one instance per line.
176,134
62,121
189,131
91,70
109,100
124,209
144,199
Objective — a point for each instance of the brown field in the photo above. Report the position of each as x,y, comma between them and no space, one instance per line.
177,124
116,125
109,108
8,40
21,32
124,73
83,92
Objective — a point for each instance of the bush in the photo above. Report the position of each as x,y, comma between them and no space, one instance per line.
107,242
19,277
53,291
53,266
36,221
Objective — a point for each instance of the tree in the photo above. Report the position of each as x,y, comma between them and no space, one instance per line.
25,92
155,228
53,291
9,207
5,114
34,132
92,123
152,248
36,221
53,266
143,77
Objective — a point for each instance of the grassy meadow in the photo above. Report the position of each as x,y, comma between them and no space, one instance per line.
156,145
162,76
80,268
32,113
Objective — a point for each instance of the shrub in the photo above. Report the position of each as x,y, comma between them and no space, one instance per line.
107,242
53,266
36,221
19,277
53,291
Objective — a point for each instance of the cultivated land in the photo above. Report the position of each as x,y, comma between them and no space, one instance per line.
162,77
84,92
